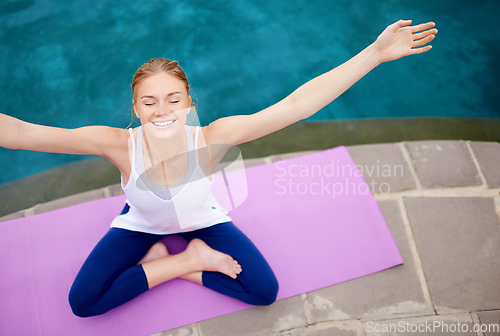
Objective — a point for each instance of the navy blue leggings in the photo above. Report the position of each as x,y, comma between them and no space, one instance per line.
111,277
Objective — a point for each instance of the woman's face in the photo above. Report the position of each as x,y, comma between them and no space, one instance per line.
162,103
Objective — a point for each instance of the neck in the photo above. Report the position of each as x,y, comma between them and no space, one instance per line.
160,149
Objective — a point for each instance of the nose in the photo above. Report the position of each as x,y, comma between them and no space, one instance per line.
163,109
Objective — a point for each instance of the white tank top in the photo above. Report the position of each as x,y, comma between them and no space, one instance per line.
189,206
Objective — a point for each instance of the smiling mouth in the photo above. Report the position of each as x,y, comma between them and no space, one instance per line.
163,123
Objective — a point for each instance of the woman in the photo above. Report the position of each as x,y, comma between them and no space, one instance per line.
166,169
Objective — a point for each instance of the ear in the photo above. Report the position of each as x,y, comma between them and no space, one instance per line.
190,100
135,110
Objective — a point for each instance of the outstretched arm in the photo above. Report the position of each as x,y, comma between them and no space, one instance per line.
95,140
397,40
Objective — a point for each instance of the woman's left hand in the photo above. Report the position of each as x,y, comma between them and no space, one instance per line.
400,39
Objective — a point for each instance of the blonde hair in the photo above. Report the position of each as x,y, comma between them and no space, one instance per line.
153,67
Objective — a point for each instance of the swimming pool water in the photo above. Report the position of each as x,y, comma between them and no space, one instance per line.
70,64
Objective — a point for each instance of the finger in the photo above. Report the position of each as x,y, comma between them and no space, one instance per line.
421,50
422,27
424,34
421,42
398,24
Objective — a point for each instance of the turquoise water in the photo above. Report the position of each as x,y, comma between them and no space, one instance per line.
70,64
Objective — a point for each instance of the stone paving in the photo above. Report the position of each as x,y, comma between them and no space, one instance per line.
441,200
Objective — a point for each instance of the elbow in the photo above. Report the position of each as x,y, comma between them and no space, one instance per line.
301,108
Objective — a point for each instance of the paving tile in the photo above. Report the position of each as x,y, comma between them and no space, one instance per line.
337,328
443,164
386,294
488,157
496,200
490,321
458,240
69,201
190,330
457,324
384,167
281,315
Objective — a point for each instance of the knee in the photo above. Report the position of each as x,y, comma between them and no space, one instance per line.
267,293
78,308
80,303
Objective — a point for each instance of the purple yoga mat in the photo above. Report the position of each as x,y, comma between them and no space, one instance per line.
312,217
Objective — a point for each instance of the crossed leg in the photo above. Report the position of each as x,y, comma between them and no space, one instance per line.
124,264
255,284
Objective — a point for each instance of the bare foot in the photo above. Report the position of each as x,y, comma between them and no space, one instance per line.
158,250
212,260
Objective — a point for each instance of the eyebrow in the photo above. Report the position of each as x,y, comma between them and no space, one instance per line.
170,94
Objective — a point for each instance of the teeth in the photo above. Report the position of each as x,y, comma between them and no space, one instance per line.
163,123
